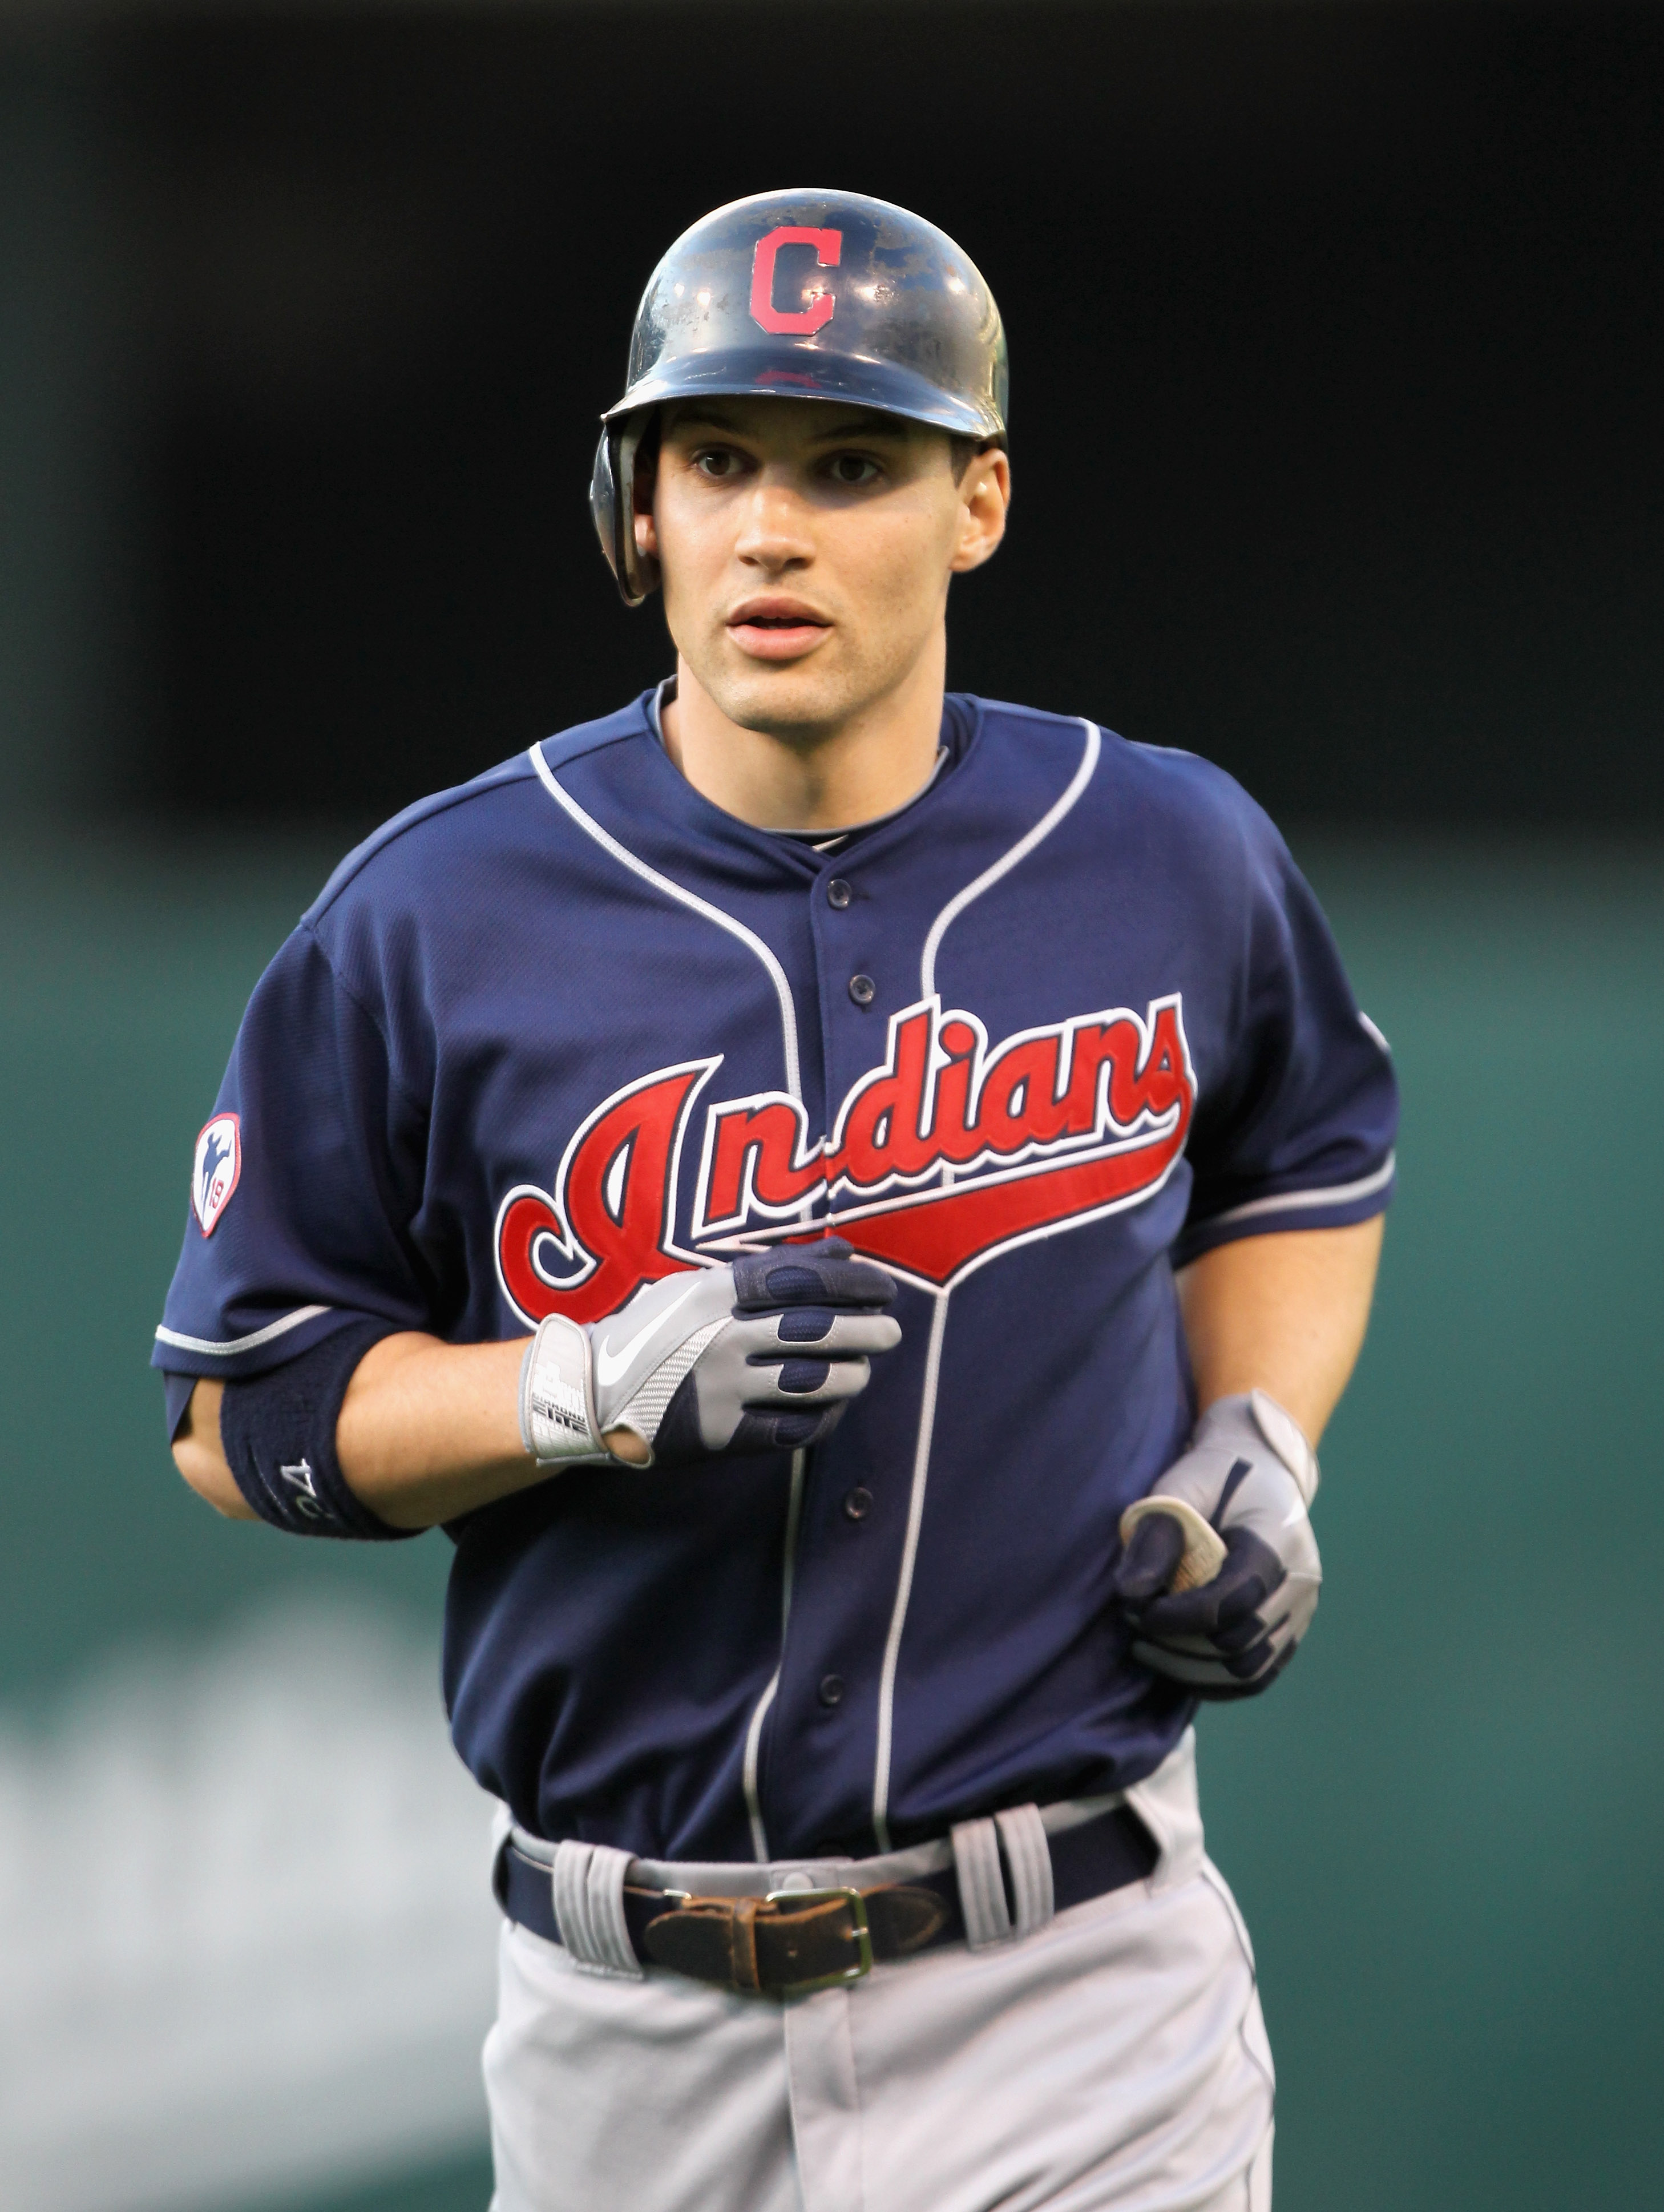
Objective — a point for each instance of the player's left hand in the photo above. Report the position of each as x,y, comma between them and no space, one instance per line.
1219,1572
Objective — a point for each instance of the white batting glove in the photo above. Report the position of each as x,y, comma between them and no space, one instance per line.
760,1355
1220,1573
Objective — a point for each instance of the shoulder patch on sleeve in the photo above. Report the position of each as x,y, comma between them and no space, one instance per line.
215,1170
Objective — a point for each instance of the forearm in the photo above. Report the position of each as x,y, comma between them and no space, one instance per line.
429,1430
426,1430
1284,1314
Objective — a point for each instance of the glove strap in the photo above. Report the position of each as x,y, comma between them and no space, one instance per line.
1287,1440
1255,1415
557,1422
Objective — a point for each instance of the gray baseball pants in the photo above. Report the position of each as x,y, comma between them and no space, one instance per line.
1112,2057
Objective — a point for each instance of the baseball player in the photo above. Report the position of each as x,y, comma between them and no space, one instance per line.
851,1205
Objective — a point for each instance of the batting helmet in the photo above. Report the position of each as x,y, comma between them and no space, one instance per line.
803,295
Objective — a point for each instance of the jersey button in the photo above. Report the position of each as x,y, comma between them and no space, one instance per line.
858,1503
863,990
838,893
830,1692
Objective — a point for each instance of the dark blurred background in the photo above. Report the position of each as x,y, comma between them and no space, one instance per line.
1337,360
1336,345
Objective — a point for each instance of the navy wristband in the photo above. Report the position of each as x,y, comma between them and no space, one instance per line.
278,1434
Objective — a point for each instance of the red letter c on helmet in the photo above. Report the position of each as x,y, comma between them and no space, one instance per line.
828,245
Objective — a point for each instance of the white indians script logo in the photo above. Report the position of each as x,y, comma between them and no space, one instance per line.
952,1151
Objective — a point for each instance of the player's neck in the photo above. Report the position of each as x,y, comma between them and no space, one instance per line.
865,767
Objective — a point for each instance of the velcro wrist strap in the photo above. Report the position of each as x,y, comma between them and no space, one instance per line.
1256,1418
557,1416
1287,1440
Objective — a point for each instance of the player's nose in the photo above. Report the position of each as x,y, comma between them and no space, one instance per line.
774,532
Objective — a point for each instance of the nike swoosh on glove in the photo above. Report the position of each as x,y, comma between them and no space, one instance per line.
760,1355
1219,1572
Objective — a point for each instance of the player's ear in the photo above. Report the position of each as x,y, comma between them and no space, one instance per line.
985,496
643,481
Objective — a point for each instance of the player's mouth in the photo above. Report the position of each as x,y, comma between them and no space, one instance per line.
776,629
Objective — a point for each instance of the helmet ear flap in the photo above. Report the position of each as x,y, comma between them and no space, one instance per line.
612,505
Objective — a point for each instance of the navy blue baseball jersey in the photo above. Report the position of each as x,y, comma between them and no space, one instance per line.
1064,1022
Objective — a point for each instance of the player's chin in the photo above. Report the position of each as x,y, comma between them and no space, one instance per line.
810,694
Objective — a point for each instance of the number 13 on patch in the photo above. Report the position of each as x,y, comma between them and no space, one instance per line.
215,1169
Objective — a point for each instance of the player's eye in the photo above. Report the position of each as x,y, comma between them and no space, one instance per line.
852,469
717,462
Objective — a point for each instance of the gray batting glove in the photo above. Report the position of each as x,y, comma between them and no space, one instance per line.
1219,1572
760,1355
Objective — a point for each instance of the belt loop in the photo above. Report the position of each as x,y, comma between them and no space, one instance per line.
981,1885
1029,1855
588,1885
742,1941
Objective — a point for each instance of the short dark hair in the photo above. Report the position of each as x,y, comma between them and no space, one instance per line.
962,451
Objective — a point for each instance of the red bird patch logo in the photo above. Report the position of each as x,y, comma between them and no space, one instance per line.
950,1153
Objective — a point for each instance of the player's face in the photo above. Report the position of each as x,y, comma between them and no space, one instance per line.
806,551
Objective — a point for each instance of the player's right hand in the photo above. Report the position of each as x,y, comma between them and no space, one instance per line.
1219,1572
761,1354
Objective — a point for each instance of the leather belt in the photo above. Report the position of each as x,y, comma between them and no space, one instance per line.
792,1941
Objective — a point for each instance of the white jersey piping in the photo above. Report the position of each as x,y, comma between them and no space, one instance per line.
230,1350
1020,851
788,1018
1035,835
754,1734
789,1023
916,1515
1292,1201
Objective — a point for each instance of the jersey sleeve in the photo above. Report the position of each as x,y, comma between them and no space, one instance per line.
304,1183
1294,1130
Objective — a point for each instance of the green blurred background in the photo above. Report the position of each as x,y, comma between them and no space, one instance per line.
1338,344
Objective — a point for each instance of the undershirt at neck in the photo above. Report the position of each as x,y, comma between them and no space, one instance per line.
830,841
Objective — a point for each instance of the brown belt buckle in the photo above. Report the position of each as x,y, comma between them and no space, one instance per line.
790,1900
